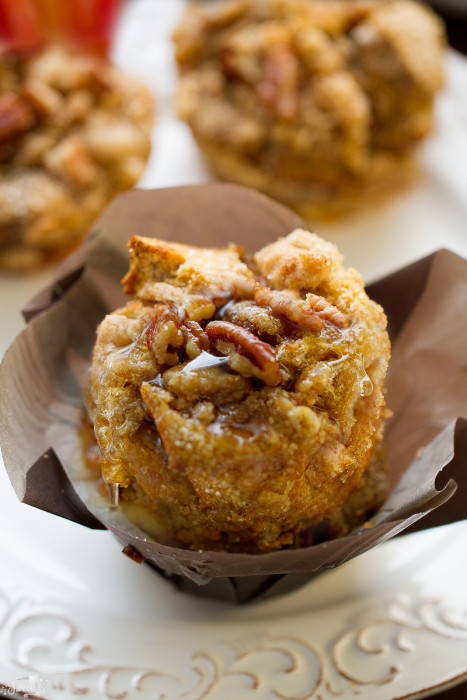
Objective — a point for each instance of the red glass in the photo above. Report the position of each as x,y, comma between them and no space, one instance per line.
88,25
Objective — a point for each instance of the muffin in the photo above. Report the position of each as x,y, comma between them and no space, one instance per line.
318,103
240,399
73,132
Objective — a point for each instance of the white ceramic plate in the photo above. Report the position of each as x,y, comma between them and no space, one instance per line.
78,618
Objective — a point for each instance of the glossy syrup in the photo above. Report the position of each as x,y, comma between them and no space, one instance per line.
114,493
204,361
366,385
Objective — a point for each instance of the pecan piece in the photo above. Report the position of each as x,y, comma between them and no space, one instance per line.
96,81
279,87
43,99
163,334
16,117
133,554
310,314
71,161
196,339
224,14
327,311
280,303
259,355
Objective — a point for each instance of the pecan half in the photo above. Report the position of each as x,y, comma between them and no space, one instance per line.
16,117
163,334
259,354
310,314
279,86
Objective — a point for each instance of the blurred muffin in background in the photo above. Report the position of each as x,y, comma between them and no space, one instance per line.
318,103
73,132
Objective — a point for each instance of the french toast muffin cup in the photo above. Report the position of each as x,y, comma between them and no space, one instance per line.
74,131
45,371
321,105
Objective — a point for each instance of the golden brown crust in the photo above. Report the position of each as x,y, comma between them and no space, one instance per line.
317,103
245,427
73,133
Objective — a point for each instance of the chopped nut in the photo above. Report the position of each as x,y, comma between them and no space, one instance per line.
327,311
108,139
279,86
164,332
7,152
219,16
258,319
259,354
76,109
43,99
97,81
281,303
196,339
132,553
35,145
71,161
16,117
310,314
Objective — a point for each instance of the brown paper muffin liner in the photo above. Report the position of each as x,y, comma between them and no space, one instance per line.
44,372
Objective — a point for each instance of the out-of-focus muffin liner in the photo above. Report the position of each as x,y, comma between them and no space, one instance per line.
44,372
